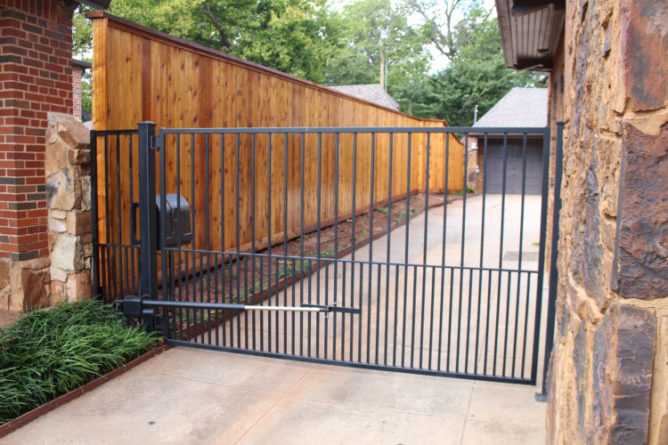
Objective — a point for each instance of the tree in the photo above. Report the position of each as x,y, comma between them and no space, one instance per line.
476,74
294,36
308,39
82,33
438,32
374,34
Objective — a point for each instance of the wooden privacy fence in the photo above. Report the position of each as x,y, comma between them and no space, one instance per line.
142,75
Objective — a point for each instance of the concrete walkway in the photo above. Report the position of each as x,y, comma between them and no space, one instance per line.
193,396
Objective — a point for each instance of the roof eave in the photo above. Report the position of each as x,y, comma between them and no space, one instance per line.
97,4
528,6
530,32
82,64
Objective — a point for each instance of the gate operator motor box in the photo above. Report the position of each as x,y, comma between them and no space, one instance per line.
177,220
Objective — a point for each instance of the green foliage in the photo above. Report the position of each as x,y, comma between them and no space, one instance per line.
373,30
294,36
86,96
82,33
48,353
345,46
476,74
469,190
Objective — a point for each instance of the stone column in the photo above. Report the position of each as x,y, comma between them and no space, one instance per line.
69,208
609,367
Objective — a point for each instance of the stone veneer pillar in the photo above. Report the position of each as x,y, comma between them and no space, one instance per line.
609,368
69,208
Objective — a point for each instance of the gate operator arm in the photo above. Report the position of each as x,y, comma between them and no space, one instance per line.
137,307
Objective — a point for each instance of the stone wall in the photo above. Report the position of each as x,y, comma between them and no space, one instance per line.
609,369
69,204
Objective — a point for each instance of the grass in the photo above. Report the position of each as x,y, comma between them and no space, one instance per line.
46,354
469,190
398,218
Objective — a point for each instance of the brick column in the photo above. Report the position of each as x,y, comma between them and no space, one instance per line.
76,91
35,78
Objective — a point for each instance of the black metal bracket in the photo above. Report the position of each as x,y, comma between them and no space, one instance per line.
132,307
331,308
156,142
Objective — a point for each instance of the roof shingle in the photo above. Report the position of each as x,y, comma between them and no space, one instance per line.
372,92
521,107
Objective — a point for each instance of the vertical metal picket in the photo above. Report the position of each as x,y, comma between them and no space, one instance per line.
97,289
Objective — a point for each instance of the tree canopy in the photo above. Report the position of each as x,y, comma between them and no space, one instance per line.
295,36
348,45
476,74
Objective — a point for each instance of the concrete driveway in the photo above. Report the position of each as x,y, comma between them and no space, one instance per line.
193,396
428,318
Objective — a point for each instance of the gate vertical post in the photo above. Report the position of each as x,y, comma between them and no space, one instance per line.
554,273
97,289
148,218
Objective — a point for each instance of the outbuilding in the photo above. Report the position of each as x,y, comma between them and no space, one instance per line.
508,168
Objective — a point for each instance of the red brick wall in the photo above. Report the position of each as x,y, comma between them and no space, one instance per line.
76,91
35,78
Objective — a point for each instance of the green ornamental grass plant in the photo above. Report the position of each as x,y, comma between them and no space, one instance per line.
45,354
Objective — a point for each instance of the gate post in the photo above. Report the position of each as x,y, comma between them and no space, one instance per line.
148,218
554,273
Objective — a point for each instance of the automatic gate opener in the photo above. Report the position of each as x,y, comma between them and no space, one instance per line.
134,306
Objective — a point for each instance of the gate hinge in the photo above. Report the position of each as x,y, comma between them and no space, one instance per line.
156,142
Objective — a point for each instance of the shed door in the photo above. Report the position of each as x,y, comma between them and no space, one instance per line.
514,167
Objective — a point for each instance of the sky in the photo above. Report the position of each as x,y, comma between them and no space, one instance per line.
439,61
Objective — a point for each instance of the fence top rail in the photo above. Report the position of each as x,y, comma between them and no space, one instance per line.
542,131
113,132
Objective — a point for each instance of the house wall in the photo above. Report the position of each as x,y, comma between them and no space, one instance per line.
77,73
35,78
609,369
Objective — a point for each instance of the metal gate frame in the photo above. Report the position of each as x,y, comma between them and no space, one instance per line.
155,311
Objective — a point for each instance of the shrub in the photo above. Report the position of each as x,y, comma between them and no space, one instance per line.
45,354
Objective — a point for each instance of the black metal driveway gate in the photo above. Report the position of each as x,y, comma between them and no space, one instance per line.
416,280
